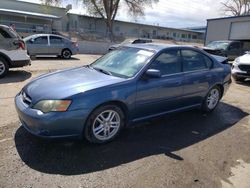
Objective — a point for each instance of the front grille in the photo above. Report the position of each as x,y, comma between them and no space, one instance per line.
26,98
245,68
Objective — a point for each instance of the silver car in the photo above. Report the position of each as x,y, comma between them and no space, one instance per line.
49,44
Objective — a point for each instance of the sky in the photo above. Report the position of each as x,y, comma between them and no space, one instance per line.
167,13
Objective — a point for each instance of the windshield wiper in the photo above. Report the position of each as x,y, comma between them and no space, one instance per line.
102,70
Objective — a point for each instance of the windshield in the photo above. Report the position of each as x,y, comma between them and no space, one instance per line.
218,45
124,62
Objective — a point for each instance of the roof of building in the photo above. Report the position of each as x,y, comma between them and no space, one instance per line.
25,13
229,17
141,24
157,46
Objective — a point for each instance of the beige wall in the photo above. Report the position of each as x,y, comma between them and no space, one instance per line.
220,29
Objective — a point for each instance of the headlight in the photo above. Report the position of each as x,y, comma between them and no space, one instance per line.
52,105
237,61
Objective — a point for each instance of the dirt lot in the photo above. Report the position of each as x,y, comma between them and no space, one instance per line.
188,149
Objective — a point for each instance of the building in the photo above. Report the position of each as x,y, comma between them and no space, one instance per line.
87,24
31,18
228,28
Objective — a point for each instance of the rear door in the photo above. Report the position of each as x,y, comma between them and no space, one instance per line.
38,45
56,45
157,95
197,76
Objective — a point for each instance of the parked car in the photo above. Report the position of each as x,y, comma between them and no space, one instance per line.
12,50
130,84
230,49
130,41
50,44
241,67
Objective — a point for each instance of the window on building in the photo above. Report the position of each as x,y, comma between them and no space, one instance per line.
117,29
189,36
194,36
193,61
168,62
174,34
183,36
154,32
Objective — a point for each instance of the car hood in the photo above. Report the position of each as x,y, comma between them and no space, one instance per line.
63,84
245,59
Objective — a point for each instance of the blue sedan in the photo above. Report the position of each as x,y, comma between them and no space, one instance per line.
130,84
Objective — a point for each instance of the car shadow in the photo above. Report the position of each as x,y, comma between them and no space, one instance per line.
159,136
55,58
244,83
14,76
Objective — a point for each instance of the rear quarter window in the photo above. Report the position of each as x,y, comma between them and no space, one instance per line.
4,33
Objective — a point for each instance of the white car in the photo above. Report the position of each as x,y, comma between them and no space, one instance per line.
241,67
12,50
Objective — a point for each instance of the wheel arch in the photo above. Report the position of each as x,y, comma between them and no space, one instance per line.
6,58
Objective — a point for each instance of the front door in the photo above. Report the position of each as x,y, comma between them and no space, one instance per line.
158,95
38,46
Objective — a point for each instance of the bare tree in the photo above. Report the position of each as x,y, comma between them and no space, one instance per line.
236,7
108,9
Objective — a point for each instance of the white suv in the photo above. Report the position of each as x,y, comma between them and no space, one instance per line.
12,50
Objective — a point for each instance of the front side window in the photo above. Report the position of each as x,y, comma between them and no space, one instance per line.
168,62
41,40
124,62
193,60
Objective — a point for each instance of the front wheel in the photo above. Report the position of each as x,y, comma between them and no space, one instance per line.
104,124
212,99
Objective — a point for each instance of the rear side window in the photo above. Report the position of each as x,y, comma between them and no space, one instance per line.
4,34
56,40
41,40
168,62
193,61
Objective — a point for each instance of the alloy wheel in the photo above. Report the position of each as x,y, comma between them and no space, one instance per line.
213,98
106,125
2,68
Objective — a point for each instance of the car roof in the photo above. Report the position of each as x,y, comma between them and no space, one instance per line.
158,46
4,26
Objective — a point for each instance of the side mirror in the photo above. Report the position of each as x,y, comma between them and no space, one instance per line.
153,73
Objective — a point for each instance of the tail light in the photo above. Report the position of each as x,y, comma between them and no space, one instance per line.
75,44
21,45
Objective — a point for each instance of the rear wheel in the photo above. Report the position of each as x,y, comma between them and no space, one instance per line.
66,54
212,99
104,124
4,67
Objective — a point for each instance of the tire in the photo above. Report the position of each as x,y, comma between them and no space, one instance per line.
4,67
212,99
98,128
238,79
66,54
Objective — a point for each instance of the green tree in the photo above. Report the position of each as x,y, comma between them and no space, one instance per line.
108,9
236,7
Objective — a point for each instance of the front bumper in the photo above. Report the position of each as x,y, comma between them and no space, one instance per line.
236,72
53,124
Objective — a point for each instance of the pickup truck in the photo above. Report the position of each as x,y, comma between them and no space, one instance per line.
230,49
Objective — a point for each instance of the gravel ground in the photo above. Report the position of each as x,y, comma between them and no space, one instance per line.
187,149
